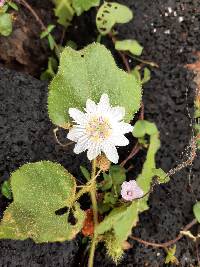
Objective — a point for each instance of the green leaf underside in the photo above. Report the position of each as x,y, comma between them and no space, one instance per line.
121,220
64,11
89,73
5,24
196,210
129,45
39,190
84,5
111,13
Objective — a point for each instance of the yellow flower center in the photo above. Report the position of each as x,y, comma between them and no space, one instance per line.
98,129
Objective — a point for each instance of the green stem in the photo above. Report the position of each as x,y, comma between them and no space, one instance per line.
95,213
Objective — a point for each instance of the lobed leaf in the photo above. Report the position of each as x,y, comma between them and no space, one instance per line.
89,73
39,190
111,13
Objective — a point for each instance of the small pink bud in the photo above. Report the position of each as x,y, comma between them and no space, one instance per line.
2,2
130,190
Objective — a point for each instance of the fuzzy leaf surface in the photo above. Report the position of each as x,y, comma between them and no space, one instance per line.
39,190
89,73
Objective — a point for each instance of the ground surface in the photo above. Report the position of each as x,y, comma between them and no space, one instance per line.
26,136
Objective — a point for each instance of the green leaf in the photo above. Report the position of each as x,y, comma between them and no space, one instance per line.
84,5
47,31
4,8
147,75
51,41
102,207
13,5
5,24
111,13
162,176
136,73
170,258
120,220
89,73
39,190
129,45
107,183
118,174
143,127
50,72
6,190
71,44
85,173
109,198
64,11
196,210
197,113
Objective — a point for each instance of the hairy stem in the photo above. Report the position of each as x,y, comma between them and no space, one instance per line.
95,213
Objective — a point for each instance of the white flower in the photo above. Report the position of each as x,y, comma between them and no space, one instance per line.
100,129
130,190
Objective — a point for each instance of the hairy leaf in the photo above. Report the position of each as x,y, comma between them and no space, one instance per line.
5,24
84,5
64,11
89,73
129,45
39,190
50,72
111,13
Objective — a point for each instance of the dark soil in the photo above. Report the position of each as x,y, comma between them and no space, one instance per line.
26,136
23,50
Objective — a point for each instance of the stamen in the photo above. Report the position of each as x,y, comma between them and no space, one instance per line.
98,128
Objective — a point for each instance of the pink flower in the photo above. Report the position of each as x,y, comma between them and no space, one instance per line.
130,190
2,2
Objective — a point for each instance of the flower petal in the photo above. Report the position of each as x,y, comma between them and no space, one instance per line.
93,151
119,140
123,127
111,152
91,107
104,105
78,116
117,113
82,145
75,133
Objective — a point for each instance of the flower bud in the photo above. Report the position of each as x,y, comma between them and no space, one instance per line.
103,163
